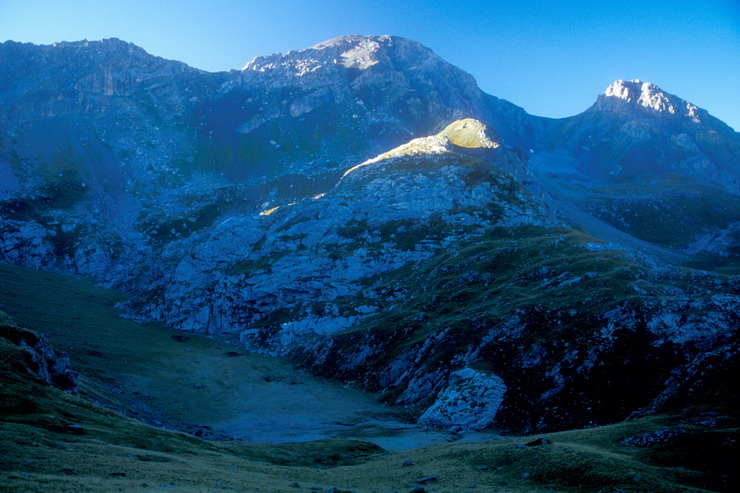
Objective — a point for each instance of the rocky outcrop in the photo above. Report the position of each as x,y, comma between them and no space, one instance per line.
696,383
39,356
131,139
469,402
625,96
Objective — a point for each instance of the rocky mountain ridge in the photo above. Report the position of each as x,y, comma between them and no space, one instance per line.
638,94
365,208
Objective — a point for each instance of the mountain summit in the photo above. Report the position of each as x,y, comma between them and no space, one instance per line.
467,136
635,129
645,96
358,52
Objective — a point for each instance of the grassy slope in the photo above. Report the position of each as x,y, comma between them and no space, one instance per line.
161,375
40,452
673,213
139,361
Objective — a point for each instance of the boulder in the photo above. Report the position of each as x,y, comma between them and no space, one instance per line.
469,403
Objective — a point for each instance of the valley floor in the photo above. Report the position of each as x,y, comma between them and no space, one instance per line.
57,441
189,382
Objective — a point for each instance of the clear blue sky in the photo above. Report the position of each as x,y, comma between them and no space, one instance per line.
550,57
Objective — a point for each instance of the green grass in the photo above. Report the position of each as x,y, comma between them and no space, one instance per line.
191,213
105,451
61,193
251,266
56,441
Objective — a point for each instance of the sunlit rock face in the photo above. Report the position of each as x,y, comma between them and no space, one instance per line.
470,136
635,94
362,207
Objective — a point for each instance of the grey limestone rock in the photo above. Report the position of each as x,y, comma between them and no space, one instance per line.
469,402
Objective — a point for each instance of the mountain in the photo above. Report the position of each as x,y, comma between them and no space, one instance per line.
637,129
652,165
107,126
364,208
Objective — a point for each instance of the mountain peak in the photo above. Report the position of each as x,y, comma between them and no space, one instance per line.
110,45
352,39
355,51
352,51
622,96
644,94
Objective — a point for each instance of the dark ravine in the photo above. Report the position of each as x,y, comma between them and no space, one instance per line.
363,207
